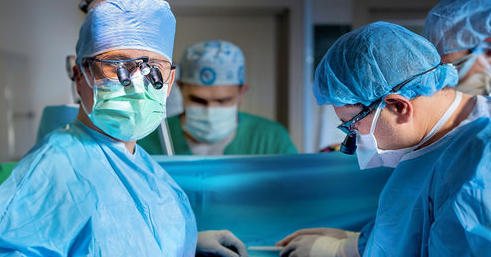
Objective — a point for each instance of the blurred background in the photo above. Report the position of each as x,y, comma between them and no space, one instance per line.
282,40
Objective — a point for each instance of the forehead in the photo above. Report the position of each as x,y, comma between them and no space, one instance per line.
132,53
210,90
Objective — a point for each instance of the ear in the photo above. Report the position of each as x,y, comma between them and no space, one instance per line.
242,90
400,107
78,77
171,81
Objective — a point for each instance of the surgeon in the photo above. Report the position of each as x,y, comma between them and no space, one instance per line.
398,108
212,81
461,32
88,189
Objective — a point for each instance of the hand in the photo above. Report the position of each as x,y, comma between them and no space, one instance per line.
332,232
220,243
299,246
317,242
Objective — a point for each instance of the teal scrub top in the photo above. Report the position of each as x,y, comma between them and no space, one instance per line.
255,135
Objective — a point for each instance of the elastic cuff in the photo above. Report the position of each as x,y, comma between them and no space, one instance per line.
326,246
351,245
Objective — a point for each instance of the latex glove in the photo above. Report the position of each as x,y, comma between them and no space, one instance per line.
299,246
219,243
321,242
332,232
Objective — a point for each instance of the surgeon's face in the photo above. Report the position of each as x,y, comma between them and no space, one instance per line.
395,126
212,96
481,64
86,92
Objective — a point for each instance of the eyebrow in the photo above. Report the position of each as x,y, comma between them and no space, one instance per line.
126,56
199,99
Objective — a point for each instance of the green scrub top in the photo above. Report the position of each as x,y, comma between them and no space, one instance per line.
255,135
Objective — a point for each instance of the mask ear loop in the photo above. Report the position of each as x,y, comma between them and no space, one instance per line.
446,116
466,67
91,86
86,77
376,115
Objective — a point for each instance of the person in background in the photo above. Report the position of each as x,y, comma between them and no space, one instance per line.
87,189
398,108
212,82
461,32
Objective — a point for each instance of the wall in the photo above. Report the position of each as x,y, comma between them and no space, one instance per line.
399,11
332,11
44,32
41,34
298,58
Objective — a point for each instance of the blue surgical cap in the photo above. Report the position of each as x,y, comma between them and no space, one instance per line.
127,24
455,25
366,64
213,63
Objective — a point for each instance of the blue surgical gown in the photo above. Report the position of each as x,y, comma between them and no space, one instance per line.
80,193
437,202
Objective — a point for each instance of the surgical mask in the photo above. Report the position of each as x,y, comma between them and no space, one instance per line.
370,156
128,113
478,83
210,124
466,66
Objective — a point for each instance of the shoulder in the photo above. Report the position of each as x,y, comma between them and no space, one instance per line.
173,120
49,160
253,121
466,161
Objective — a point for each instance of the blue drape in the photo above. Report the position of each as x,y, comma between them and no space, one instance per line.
262,199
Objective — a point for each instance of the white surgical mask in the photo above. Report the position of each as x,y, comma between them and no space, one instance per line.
210,124
478,83
370,156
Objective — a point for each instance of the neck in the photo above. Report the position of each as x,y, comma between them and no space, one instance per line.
446,97
82,117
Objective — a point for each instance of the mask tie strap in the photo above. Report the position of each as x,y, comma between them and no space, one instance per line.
446,116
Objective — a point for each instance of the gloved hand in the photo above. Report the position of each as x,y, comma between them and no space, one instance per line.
219,243
317,242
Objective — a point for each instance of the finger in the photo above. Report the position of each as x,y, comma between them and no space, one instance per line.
297,233
225,252
287,250
287,239
230,240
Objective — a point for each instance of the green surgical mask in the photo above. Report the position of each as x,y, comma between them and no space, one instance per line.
128,113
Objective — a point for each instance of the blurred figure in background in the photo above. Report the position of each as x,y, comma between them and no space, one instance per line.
212,82
461,32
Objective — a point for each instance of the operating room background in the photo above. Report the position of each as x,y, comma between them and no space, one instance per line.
277,36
